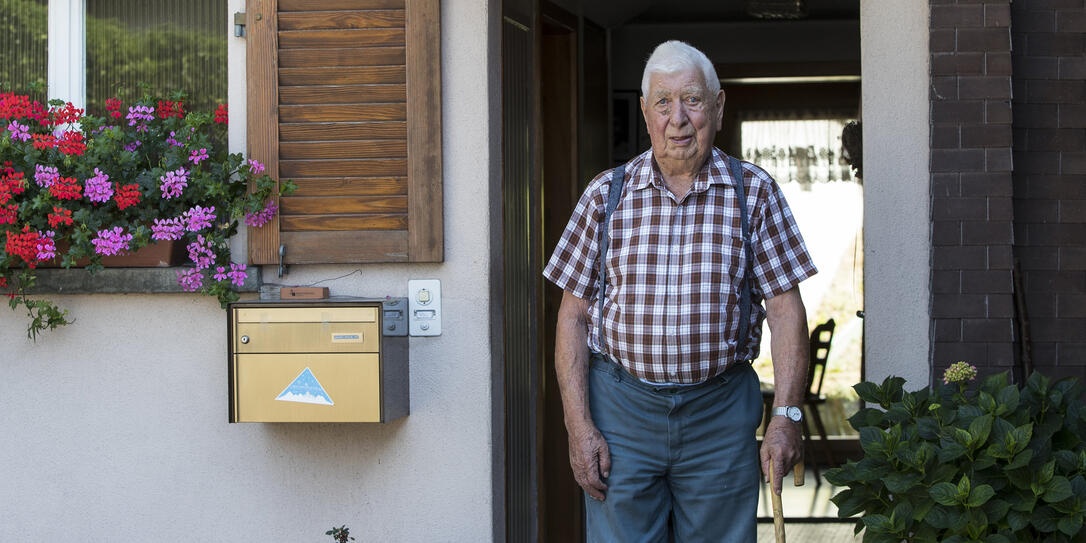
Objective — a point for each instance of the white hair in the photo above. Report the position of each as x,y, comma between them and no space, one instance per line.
673,56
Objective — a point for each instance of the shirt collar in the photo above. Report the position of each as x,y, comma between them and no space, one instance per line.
643,172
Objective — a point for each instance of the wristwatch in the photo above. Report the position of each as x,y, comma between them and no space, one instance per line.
794,414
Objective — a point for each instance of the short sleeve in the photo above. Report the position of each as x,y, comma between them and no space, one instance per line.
781,260
572,265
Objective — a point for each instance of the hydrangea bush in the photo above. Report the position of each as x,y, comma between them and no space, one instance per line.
75,186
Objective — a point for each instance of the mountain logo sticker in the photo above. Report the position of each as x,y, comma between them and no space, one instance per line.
305,389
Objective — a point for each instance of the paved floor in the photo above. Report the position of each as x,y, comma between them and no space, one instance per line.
837,532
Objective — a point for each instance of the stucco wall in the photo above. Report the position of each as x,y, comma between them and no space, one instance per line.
114,428
897,247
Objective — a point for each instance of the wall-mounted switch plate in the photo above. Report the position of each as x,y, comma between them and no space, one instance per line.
394,316
424,301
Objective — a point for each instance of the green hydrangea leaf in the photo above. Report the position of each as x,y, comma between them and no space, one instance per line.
1059,489
1046,519
1017,520
900,483
944,493
980,495
1021,460
868,392
1070,525
997,509
1008,398
980,428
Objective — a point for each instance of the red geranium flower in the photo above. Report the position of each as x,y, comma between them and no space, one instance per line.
170,109
64,115
60,216
24,245
221,115
113,106
66,188
126,196
44,141
9,213
71,143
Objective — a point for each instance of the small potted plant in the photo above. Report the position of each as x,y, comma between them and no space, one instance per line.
77,188
957,463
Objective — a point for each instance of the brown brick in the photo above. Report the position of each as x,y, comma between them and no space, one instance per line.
1072,356
986,329
986,184
1036,115
957,160
1002,355
1073,163
948,330
1033,21
1037,162
1056,91
1056,234
1056,139
1071,306
1034,67
1043,354
958,112
997,15
1072,68
1072,258
945,136
1057,281
959,258
959,209
1073,211
997,64
1055,187
984,39
1000,209
998,160
957,64
1037,211
946,354
986,282
997,111
1038,258
946,281
943,88
1001,257
941,41
959,305
998,87
986,233
945,233
945,185
1057,329
1054,44
1072,116
1040,305
985,135
955,16
1071,21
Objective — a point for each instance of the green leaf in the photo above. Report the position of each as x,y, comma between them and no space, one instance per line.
878,523
994,383
1046,519
1078,487
1017,520
963,437
868,392
980,495
1070,525
996,538
1021,460
964,487
1008,398
1059,489
873,441
1046,473
940,518
997,509
950,451
980,428
927,428
986,402
900,483
944,493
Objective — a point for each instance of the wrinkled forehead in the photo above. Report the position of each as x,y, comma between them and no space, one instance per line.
684,80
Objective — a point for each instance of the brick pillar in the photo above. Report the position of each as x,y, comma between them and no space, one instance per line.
1050,177
972,212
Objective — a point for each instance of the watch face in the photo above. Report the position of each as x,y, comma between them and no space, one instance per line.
794,413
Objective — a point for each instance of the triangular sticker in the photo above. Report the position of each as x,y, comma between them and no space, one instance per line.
305,389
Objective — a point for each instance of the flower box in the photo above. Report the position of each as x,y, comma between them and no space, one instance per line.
161,254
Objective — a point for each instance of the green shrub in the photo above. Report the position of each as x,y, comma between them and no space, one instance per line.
996,464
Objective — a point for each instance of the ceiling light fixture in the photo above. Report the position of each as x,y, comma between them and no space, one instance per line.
777,9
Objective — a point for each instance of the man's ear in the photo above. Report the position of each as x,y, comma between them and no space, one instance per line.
644,115
720,110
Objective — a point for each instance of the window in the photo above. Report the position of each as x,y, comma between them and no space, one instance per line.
24,43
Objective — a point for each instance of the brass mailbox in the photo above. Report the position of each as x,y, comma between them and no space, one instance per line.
318,361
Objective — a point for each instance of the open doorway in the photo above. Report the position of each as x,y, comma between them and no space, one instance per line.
791,84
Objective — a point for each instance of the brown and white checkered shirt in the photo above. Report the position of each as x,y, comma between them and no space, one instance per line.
674,267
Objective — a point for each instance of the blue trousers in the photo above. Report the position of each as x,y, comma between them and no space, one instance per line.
684,460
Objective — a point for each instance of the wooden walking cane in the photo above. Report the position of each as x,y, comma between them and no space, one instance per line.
778,510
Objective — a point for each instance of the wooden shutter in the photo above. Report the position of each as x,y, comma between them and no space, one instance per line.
344,98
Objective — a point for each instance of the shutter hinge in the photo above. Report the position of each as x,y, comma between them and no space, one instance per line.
239,24
282,267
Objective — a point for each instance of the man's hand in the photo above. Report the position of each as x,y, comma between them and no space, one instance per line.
783,446
590,459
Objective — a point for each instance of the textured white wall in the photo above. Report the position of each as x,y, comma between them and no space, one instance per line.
114,428
894,57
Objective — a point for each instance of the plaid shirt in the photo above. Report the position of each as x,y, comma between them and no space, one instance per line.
674,267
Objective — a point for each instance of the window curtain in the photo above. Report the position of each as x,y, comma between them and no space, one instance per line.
24,45
796,146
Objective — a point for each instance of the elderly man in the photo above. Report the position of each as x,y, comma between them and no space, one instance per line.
665,264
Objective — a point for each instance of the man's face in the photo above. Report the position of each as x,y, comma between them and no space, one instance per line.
682,118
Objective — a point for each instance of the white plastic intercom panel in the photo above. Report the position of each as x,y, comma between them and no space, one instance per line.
424,304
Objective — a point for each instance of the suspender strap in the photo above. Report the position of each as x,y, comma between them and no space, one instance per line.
748,252
614,193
